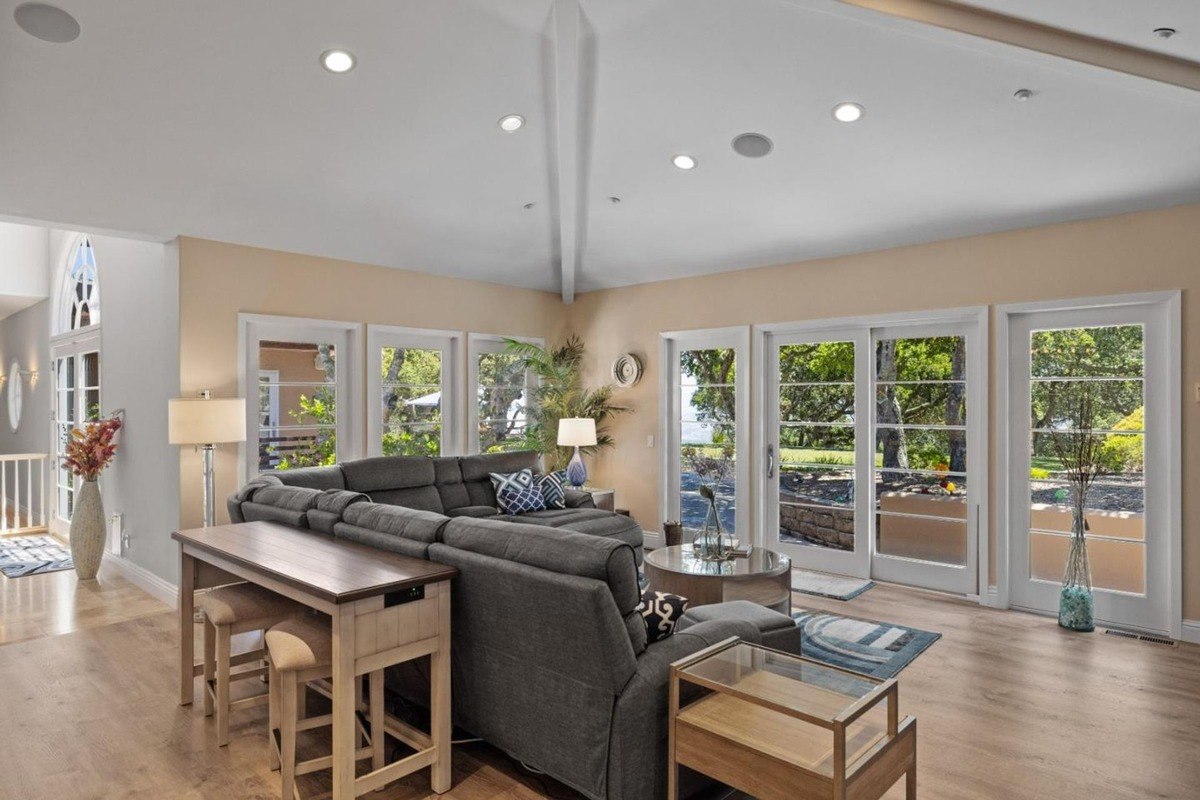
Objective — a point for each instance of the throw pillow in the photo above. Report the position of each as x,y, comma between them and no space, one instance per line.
661,611
553,488
521,500
502,482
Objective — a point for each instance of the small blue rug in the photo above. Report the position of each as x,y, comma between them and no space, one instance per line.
33,555
875,649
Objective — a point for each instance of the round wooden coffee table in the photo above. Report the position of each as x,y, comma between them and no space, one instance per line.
764,577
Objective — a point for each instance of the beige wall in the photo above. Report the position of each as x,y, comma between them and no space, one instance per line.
1157,250
217,281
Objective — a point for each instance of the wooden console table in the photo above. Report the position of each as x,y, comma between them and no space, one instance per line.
781,727
385,608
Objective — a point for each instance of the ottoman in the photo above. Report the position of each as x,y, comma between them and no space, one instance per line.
779,631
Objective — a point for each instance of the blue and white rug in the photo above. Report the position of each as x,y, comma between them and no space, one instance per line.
33,555
876,649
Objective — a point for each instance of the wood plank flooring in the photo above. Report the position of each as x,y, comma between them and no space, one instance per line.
1009,707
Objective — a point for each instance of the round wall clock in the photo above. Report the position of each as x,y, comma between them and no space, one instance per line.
627,370
14,395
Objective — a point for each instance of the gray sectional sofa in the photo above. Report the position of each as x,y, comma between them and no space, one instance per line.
550,655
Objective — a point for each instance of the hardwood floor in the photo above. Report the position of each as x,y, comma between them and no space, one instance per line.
1009,707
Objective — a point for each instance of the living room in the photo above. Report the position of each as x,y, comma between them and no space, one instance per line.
868,322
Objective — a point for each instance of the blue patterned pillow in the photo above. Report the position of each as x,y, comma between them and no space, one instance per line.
521,500
503,482
554,488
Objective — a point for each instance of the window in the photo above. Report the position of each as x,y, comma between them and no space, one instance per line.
414,389
502,389
704,438
79,290
303,415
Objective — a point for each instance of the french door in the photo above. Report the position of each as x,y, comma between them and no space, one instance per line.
75,363
873,439
1101,373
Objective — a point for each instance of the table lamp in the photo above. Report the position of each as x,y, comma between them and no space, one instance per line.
206,422
577,432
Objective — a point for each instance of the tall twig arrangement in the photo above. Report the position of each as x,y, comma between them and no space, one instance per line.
1079,451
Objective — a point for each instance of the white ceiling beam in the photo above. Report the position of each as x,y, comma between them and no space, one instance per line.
996,27
569,98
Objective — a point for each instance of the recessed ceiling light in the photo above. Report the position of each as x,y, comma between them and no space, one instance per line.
848,112
46,22
529,206
1165,33
337,61
511,122
684,161
752,145
614,200
1021,95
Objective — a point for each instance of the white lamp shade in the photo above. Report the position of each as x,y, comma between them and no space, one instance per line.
576,432
199,421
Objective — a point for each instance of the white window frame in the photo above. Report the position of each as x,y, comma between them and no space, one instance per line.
272,376
449,343
1169,305
253,328
477,345
671,343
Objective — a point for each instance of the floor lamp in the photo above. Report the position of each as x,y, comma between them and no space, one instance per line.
206,422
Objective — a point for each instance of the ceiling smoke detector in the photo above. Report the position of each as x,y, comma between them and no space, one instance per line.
752,145
46,22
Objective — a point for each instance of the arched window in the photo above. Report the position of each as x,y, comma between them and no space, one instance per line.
79,294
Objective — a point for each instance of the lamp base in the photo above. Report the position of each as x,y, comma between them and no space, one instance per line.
576,471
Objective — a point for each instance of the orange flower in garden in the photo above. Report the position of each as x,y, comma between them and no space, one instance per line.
93,448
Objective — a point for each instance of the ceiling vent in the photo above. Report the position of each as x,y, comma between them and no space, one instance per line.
752,145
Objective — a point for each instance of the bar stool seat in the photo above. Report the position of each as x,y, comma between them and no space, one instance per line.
301,650
230,610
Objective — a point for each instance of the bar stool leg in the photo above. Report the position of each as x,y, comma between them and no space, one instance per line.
210,657
287,735
378,736
223,656
272,715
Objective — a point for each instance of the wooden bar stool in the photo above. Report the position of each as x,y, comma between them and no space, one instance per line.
301,650
230,610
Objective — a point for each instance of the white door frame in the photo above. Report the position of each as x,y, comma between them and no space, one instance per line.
450,345
977,407
1169,305
346,335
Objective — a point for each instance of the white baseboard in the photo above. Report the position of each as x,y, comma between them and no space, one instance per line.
1191,631
144,579
991,598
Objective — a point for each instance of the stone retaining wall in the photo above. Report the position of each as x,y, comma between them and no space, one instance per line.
828,527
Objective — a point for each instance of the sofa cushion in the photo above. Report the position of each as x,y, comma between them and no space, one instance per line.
477,469
310,477
472,511
448,479
330,506
287,498
371,475
407,523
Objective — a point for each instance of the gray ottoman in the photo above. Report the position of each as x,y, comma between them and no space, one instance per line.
779,631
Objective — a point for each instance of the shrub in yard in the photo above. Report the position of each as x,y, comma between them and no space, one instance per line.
1039,474
1125,452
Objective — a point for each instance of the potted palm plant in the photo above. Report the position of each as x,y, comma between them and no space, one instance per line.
90,450
560,394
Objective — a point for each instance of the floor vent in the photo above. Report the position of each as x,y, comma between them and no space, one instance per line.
1141,637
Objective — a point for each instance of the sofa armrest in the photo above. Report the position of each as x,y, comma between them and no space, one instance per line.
578,499
654,664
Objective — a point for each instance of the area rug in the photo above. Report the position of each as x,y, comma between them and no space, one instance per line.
824,584
33,555
875,649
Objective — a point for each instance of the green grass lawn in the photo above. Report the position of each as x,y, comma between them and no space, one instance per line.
805,456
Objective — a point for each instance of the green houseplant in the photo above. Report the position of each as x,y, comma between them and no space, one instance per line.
560,394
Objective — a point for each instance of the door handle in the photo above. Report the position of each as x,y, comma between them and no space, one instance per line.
770,461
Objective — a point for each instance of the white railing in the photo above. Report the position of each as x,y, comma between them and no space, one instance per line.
23,502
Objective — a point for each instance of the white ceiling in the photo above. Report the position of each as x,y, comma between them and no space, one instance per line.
215,120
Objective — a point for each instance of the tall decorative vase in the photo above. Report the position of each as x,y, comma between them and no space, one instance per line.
709,544
1076,607
87,531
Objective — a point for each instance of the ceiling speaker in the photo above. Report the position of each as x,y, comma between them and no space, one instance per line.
752,145
46,22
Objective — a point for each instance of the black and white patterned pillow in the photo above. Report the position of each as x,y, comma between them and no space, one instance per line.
661,611
503,482
521,500
554,488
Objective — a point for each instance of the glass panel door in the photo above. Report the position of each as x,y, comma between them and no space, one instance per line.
818,451
1091,373
923,491
76,396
